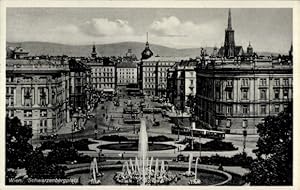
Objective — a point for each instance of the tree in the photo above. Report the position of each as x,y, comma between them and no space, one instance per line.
39,167
273,165
17,146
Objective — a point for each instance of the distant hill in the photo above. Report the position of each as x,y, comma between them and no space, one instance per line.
115,49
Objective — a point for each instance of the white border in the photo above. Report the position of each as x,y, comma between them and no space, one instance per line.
153,4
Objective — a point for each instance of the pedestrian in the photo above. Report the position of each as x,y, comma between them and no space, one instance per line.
123,155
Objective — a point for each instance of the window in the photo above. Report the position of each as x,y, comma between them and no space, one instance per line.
263,94
43,113
43,96
27,96
245,109
263,109
286,82
244,94
43,123
285,94
277,108
228,123
229,95
27,113
218,94
245,82
285,107
245,123
28,123
276,93
263,82
229,109
229,82
276,82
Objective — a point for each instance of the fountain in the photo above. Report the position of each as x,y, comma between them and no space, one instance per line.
195,181
189,173
146,170
94,173
142,173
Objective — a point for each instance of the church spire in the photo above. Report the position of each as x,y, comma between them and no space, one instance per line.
147,43
229,27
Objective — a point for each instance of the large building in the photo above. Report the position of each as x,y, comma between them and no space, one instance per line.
236,92
154,74
37,91
103,73
79,89
181,83
126,73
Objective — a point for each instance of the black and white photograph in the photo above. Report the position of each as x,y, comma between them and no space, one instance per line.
151,96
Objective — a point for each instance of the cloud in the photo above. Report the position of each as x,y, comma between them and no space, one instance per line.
172,26
172,31
104,27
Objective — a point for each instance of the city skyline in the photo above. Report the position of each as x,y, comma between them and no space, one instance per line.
179,28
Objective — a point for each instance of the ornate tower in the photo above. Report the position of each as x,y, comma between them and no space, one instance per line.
249,49
229,44
94,53
147,53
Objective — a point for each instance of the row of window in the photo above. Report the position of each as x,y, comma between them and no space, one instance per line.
127,81
262,94
28,113
245,109
109,80
262,82
104,74
124,77
100,70
99,86
10,90
127,73
160,63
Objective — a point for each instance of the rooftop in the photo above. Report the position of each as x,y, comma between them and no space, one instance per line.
127,65
166,59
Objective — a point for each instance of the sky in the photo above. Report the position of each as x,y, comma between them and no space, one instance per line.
268,29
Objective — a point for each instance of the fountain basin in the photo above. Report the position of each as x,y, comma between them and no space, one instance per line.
134,146
207,176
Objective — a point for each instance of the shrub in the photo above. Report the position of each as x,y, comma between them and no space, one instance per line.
114,138
78,145
237,160
214,145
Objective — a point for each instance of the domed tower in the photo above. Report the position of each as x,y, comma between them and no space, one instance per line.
94,52
147,53
249,49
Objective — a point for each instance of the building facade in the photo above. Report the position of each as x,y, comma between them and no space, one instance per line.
79,89
126,73
37,92
234,95
103,74
154,74
181,83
